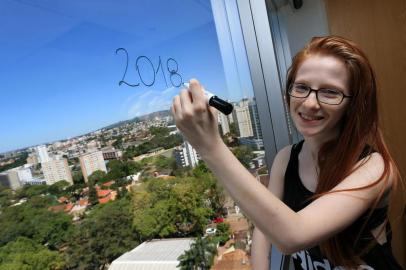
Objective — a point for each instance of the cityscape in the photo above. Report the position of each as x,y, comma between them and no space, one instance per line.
123,170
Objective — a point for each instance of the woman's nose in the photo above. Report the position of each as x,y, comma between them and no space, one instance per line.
311,101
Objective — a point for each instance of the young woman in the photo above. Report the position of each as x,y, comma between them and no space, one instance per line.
327,199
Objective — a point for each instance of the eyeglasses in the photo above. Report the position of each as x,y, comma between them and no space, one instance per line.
323,95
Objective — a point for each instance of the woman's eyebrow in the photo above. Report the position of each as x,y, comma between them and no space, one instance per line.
322,85
331,86
301,82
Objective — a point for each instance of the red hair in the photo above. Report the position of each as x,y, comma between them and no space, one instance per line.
359,130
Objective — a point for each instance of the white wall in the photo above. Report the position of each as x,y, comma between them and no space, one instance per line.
299,25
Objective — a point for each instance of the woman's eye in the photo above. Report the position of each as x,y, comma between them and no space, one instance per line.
301,88
329,93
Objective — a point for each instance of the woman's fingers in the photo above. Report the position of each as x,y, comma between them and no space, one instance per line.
191,104
197,91
186,103
213,113
176,107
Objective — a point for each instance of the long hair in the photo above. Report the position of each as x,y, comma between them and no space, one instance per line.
359,130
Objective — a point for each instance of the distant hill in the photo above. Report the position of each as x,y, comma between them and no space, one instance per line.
150,116
146,117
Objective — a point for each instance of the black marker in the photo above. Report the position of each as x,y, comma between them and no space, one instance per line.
216,102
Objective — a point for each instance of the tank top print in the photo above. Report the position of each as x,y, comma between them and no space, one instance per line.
296,196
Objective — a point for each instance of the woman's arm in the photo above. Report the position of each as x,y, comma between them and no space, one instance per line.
288,230
260,248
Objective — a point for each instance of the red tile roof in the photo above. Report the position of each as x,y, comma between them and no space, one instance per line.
103,193
62,199
68,207
83,202
109,183
105,199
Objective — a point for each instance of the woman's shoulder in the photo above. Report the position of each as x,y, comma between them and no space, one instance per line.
281,160
373,164
370,176
277,173
283,155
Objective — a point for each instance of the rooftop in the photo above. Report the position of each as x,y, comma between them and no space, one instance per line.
103,192
156,254
105,199
109,183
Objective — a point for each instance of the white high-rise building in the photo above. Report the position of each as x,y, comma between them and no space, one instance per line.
42,153
224,124
24,174
92,162
186,155
56,170
18,177
10,179
241,115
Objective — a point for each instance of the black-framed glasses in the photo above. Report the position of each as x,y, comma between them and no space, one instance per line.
323,95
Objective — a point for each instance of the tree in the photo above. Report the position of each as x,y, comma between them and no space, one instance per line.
24,253
117,169
78,178
118,143
33,220
170,209
30,191
200,256
233,129
209,187
21,160
104,235
122,192
244,154
263,170
223,233
97,177
6,195
159,131
93,198
58,188
157,141
162,162
133,167
201,170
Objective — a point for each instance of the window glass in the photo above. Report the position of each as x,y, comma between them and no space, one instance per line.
290,39
86,92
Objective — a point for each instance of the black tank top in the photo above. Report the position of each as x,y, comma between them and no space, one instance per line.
296,196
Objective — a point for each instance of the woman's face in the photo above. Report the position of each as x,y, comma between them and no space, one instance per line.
312,118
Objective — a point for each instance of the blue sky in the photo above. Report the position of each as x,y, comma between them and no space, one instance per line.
60,73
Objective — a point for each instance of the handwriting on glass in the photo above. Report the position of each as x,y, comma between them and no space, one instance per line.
144,62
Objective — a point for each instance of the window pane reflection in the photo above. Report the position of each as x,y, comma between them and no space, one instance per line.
86,91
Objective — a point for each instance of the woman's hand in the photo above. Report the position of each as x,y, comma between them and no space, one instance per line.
196,120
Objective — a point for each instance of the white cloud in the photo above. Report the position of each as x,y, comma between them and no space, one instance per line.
150,101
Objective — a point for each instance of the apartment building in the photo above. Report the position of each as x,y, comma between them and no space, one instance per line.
186,155
92,162
42,153
56,170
